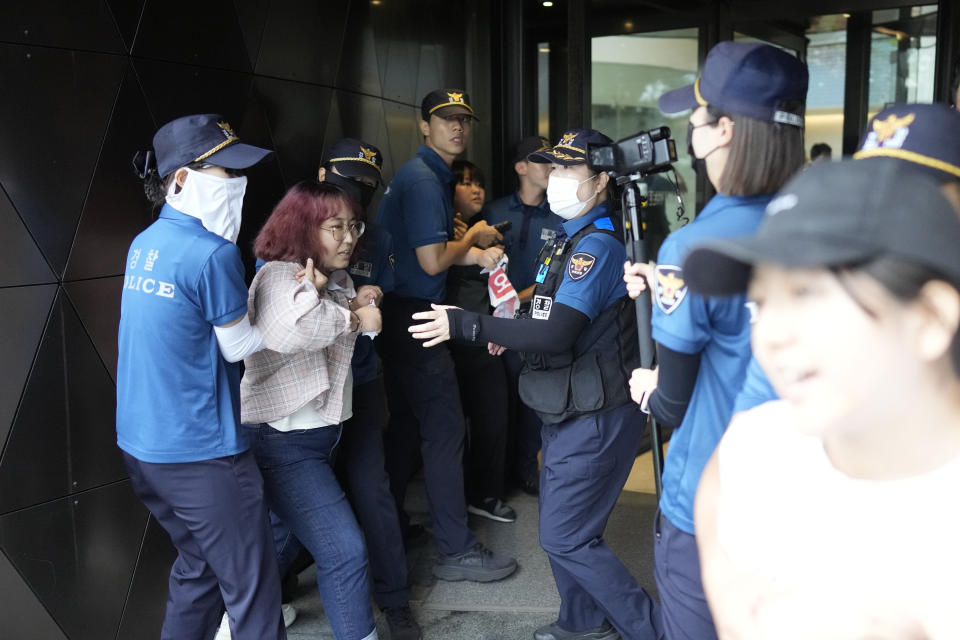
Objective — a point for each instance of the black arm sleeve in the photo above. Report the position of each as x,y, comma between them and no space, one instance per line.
554,335
678,375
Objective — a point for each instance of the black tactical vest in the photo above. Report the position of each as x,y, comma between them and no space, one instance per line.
594,375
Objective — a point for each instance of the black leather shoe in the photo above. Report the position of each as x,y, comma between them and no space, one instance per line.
554,632
478,564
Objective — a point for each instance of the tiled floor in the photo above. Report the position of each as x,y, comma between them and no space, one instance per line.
507,610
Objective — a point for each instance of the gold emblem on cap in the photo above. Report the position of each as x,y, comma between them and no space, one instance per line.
886,128
567,138
230,136
368,154
455,97
227,130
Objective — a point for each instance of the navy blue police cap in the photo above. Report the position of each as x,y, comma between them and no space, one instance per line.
202,138
528,145
445,103
571,148
355,159
837,214
748,79
928,135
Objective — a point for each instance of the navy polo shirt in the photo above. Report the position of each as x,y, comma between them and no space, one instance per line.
593,277
178,400
533,226
716,328
373,266
417,210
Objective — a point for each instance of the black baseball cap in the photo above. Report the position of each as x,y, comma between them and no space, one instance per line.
748,79
571,148
203,137
528,145
928,135
445,103
355,159
833,215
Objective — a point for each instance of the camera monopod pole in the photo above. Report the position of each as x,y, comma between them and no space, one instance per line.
634,191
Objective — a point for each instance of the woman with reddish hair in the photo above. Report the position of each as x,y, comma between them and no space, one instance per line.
296,393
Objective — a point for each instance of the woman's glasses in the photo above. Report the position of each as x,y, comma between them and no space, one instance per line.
339,231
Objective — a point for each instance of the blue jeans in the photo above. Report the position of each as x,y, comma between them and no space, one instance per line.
302,490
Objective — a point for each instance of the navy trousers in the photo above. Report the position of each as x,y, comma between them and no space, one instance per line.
214,512
426,422
360,465
586,462
676,568
483,391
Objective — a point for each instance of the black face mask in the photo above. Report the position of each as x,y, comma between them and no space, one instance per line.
355,190
697,164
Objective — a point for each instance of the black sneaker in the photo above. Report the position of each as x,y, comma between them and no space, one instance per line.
478,564
493,509
555,632
401,623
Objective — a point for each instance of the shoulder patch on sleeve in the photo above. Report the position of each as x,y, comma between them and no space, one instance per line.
580,265
670,287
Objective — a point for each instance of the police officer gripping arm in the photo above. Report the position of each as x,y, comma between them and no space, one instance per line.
579,345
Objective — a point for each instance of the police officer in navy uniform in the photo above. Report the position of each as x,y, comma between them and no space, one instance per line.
426,417
183,331
355,166
532,224
746,128
579,346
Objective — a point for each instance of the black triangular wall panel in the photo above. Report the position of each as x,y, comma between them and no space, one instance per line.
143,615
78,24
116,209
399,56
359,67
175,90
56,124
95,459
252,15
63,439
303,40
34,466
127,13
21,262
78,556
98,305
23,616
297,114
21,328
206,33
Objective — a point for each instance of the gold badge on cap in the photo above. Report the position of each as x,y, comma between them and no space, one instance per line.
887,128
455,97
227,130
568,138
368,154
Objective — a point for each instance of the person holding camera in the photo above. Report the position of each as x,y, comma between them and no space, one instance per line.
578,345
746,130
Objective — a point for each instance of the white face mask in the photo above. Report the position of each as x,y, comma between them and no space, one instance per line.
217,202
562,196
